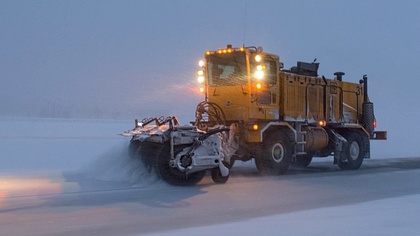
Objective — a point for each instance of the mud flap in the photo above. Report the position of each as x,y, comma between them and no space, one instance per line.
339,141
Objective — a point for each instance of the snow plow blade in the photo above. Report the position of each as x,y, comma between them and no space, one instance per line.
180,155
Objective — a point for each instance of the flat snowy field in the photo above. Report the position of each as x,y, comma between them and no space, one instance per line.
54,171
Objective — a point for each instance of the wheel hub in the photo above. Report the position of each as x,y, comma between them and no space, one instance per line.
277,152
186,161
354,150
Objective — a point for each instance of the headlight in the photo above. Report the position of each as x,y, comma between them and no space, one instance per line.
259,74
200,78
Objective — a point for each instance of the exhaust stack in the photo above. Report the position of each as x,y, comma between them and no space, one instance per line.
367,109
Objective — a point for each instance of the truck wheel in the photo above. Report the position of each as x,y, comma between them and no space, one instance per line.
144,151
353,152
230,164
275,156
303,160
173,175
217,177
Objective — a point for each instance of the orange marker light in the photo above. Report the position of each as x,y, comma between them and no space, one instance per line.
259,86
322,123
255,127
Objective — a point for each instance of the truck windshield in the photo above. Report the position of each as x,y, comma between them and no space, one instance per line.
227,69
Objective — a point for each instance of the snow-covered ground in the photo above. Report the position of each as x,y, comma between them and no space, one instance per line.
37,156
395,216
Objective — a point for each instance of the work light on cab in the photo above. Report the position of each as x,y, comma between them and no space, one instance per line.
200,76
259,74
200,72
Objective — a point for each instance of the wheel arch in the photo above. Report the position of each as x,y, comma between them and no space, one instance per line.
285,127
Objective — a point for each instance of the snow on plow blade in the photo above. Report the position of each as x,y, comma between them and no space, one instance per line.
180,155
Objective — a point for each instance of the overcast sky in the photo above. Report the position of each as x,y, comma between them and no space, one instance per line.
138,58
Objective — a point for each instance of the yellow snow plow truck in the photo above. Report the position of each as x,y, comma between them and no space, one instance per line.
255,109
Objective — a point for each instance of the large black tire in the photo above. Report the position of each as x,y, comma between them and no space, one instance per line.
231,163
217,177
303,160
145,152
275,155
173,175
353,152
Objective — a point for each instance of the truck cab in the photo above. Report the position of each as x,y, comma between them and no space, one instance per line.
309,115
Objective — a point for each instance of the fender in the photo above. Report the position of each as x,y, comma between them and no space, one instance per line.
278,124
